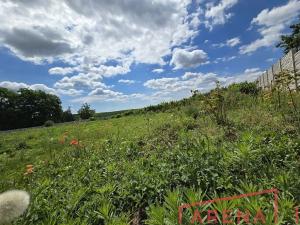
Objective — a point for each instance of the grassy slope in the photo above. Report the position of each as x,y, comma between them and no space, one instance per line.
124,165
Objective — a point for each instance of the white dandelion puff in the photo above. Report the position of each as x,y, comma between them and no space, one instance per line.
12,205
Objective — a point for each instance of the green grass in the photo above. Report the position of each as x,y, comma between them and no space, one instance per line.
141,167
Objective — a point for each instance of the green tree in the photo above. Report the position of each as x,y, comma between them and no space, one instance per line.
85,112
27,108
291,41
8,117
67,115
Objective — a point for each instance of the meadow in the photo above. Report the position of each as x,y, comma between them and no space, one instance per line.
137,168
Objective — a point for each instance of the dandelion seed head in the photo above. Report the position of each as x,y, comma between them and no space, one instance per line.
12,205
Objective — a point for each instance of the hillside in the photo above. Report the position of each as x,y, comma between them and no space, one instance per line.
137,169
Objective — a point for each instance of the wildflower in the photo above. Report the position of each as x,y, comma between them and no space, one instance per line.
74,142
12,205
29,169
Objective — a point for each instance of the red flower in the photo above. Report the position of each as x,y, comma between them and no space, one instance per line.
74,142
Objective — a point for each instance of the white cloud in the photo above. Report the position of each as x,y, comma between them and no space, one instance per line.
158,70
107,95
97,31
224,59
61,70
200,81
217,14
80,81
233,42
272,24
69,92
126,81
189,81
250,75
230,43
183,58
15,86
104,92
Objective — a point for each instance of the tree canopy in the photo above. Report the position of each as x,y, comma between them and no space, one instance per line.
85,112
27,108
291,41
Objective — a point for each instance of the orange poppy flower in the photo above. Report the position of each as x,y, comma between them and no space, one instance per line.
74,142
29,169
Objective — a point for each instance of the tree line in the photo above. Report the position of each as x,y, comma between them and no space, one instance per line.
29,108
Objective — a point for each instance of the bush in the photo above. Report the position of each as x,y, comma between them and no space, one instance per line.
92,118
49,123
192,111
248,88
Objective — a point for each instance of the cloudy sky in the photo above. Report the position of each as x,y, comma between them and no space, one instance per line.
119,54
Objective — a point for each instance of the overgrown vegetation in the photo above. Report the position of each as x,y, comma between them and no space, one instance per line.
138,169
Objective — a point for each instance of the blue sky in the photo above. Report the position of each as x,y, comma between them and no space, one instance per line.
128,54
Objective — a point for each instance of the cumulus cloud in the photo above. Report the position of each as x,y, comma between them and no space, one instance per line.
107,95
15,86
217,14
271,23
200,81
189,81
61,70
80,81
67,30
184,58
250,75
126,81
104,92
32,44
158,70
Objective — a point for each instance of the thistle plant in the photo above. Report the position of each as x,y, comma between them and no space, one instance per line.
12,205
216,105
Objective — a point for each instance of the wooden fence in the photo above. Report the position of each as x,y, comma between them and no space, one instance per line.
290,62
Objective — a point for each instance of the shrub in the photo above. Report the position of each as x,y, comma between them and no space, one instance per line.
92,118
248,88
192,111
49,123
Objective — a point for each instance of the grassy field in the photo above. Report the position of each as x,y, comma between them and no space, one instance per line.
138,169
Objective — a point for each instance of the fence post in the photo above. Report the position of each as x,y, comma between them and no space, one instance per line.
263,78
260,83
268,84
294,68
272,70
